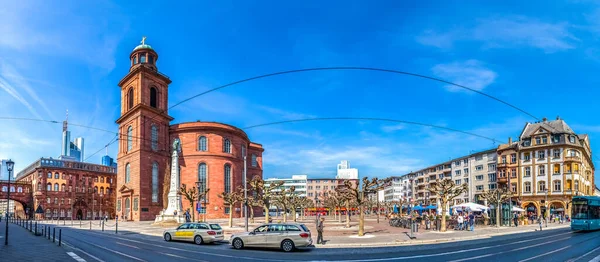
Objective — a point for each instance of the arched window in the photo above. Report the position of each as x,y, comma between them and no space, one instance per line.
226,146
557,185
127,174
154,137
130,98
63,188
154,182
576,185
39,186
56,176
129,138
227,179
153,97
4,188
56,187
542,186
101,190
243,151
202,143
48,187
12,189
527,187
19,189
202,176
254,161
95,189
49,174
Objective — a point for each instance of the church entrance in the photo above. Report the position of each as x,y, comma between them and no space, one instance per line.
79,214
127,208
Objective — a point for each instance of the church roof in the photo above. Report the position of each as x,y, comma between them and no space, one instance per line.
144,46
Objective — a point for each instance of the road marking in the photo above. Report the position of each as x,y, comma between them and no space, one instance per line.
114,251
596,259
76,257
86,253
516,249
173,255
127,245
575,259
545,254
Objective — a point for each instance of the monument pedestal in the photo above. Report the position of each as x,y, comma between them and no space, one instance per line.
170,218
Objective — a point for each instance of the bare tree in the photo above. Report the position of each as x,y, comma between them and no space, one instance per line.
282,199
447,191
497,196
359,194
192,195
231,198
264,193
297,202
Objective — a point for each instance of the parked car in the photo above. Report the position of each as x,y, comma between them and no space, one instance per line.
287,236
199,233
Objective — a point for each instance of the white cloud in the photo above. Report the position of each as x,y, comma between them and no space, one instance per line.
506,32
10,74
470,73
392,128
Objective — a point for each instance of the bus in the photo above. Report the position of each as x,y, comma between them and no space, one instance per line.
585,213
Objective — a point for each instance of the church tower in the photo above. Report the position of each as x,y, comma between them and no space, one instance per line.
144,145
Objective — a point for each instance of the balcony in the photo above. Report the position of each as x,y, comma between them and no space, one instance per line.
572,158
501,180
500,165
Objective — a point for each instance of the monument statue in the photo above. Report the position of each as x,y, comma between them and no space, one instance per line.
174,210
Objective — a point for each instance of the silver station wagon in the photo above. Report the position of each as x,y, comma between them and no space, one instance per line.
287,236
197,232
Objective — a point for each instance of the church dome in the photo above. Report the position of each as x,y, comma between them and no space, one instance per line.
142,46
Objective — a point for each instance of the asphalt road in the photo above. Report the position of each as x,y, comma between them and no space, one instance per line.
550,245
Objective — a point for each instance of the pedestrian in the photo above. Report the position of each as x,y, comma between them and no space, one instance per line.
540,222
320,231
187,216
516,219
460,221
472,221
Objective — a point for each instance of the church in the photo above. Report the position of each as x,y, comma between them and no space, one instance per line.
211,155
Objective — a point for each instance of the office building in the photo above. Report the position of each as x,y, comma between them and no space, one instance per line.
345,172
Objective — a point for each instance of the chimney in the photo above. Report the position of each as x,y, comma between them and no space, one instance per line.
544,119
510,141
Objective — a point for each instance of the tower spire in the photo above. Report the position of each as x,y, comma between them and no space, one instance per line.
65,123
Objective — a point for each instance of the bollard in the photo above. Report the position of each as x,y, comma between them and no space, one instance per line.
48,232
79,223
102,225
90,225
36,228
59,237
64,222
117,227
54,235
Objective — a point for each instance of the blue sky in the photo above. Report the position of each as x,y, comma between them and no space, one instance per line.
540,56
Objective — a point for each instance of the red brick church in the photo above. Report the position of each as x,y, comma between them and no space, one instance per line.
211,153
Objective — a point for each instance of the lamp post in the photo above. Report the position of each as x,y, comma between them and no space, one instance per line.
9,166
546,204
245,194
317,208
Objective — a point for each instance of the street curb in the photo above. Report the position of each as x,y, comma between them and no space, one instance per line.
432,241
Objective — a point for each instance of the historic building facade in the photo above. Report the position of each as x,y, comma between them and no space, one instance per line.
555,164
69,190
211,153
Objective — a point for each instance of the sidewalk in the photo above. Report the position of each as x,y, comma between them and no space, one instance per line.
24,246
336,234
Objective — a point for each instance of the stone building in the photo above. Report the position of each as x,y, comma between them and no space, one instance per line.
211,153
69,190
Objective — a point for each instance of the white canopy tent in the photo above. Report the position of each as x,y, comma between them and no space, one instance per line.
517,209
470,207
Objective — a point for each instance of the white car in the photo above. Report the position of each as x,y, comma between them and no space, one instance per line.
287,236
199,233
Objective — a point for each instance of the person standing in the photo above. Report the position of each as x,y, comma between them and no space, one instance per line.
472,221
460,221
187,216
320,231
516,219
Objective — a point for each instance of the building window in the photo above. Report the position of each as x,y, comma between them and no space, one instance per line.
457,182
555,138
457,172
576,185
513,158
538,140
56,187
49,187
154,182
135,204
150,58
202,143
56,176
119,205
63,188
479,167
557,185
154,137
127,173
466,171
527,187
572,139
254,161
226,146
542,170
527,156
129,138
479,188
513,187
545,140
135,60
503,159
527,171
227,210
492,177
491,186
541,186
526,142
202,177
142,58
227,179
49,174
153,97
130,98
479,177
541,154
556,153
556,168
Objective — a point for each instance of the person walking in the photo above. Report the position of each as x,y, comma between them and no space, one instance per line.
472,221
540,222
320,231
516,219
460,221
187,216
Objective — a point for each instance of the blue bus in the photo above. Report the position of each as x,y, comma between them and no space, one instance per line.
585,213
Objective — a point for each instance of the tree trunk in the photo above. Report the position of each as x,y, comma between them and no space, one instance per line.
266,210
192,209
340,217
251,210
443,225
361,221
294,215
230,216
334,214
347,214
284,214
498,214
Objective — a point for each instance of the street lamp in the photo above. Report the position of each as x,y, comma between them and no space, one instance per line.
317,207
9,167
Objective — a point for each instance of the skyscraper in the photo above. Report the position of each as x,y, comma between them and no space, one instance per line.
3,170
72,151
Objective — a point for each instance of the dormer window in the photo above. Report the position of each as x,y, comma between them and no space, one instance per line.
572,139
555,138
538,140
544,140
527,142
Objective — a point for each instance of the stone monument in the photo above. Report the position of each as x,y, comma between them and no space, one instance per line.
174,210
